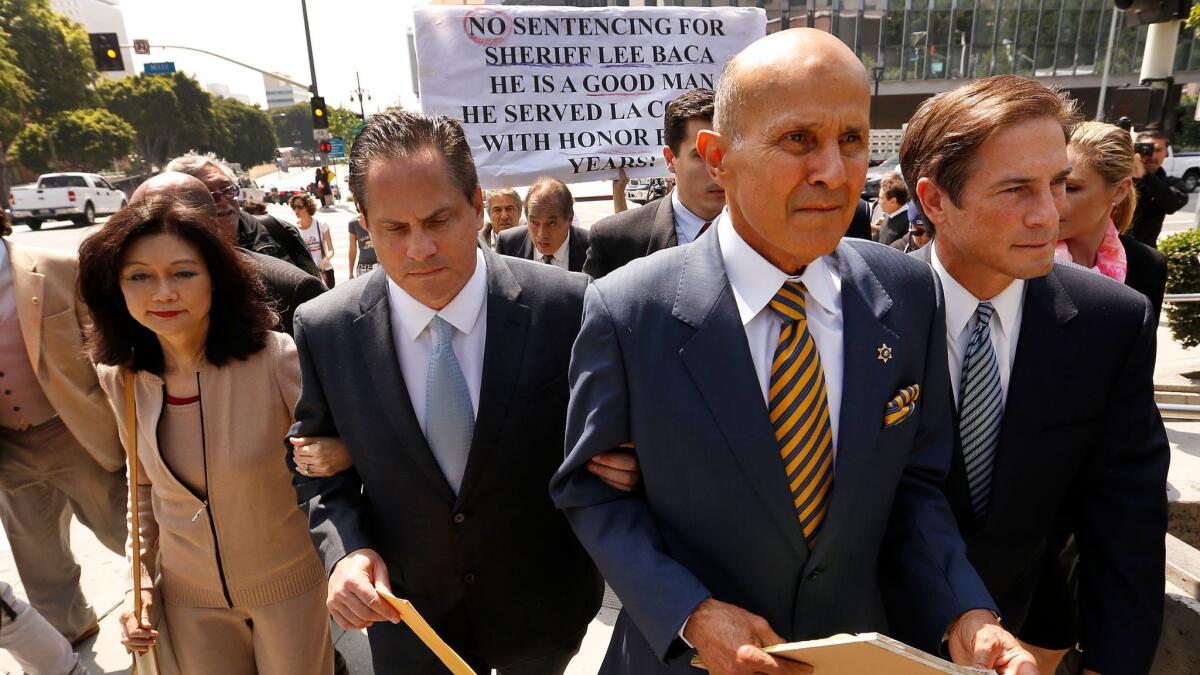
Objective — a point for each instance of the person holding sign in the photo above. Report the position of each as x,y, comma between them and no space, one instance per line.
456,428
668,221
550,237
785,391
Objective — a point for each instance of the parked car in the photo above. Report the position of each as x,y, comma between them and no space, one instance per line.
642,190
78,197
1184,166
251,192
875,175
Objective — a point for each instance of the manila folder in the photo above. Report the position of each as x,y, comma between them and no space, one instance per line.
865,654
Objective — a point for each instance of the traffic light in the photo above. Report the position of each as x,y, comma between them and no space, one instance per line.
325,147
320,114
106,52
1142,12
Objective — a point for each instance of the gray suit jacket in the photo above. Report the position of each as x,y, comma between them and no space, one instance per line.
629,235
662,361
516,242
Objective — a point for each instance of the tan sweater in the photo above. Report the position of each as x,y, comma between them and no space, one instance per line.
248,544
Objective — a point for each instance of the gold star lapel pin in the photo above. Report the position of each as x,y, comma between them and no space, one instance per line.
885,352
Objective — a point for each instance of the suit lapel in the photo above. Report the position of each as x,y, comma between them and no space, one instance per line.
373,330
527,244
578,249
503,352
1045,351
866,388
718,359
662,228
28,287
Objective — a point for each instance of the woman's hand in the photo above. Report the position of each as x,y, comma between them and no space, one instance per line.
137,636
320,456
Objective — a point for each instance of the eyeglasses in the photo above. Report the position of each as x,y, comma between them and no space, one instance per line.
229,191
298,207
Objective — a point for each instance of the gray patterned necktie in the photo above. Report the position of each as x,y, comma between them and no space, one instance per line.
981,410
449,417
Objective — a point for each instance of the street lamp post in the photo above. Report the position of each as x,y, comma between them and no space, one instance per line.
360,92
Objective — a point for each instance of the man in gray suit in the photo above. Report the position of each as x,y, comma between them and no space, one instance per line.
551,235
786,394
444,372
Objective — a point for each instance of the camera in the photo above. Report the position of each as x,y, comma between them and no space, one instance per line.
1144,149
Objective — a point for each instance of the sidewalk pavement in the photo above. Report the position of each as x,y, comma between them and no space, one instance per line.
104,572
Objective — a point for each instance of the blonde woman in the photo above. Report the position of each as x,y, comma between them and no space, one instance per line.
1099,210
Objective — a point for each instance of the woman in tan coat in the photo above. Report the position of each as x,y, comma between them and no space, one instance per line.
242,588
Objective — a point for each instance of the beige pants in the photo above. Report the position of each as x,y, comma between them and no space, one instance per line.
45,476
290,637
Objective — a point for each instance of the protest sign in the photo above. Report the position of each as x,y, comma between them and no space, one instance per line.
572,93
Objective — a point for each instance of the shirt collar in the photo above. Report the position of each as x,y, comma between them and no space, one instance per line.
755,280
685,221
462,312
561,253
961,304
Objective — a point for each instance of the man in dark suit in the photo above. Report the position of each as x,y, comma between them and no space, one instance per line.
550,236
893,203
444,373
677,218
785,395
1052,376
287,286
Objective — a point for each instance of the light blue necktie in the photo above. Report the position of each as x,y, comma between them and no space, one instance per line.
449,417
981,410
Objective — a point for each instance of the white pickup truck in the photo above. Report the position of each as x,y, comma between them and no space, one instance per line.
1184,166
78,197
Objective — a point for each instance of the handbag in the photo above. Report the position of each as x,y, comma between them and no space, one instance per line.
326,274
159,659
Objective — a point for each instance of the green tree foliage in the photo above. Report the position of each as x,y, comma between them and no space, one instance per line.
54,53
341,124
90,139
242,133
31,148
293,126
195,121
1183,276
16,97
148,103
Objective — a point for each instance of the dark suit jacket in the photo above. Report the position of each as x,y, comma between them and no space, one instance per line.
495,570
662,361
632,234
860,225
287,286
894,228
1147,273
1081,442
515,241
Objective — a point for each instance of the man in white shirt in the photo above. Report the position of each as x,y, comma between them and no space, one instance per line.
444,372
786,396
1051,370
550,235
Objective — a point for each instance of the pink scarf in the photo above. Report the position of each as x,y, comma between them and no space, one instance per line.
1110,259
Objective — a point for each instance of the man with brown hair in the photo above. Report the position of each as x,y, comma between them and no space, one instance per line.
672,220
550,236
893,203
1051,370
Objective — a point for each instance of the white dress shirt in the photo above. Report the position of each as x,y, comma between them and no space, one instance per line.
755,281
687,224
960,323
560,257
414,341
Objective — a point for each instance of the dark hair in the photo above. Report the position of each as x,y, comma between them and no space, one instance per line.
240,316
306,200
551,187
399,133
1152,135
892,186
694,104
5,224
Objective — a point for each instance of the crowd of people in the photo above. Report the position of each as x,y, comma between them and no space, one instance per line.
755,428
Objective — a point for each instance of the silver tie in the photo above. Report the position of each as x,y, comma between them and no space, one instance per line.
449,417
981,410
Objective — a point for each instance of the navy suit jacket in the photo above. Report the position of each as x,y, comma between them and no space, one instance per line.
662,361
495,569
1082,445
516,242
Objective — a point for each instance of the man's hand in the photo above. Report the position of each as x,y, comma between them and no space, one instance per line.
354,586
618,468
319,456
977,640
137,635
730,640
1139,167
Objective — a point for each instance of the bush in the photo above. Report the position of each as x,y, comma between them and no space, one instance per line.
1182,252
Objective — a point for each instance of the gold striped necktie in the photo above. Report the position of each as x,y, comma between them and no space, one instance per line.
799,409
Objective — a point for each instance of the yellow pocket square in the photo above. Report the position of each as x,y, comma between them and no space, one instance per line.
903,404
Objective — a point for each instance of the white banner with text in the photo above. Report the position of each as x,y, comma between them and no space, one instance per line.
577,94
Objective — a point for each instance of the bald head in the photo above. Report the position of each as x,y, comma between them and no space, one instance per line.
805,58
175,186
